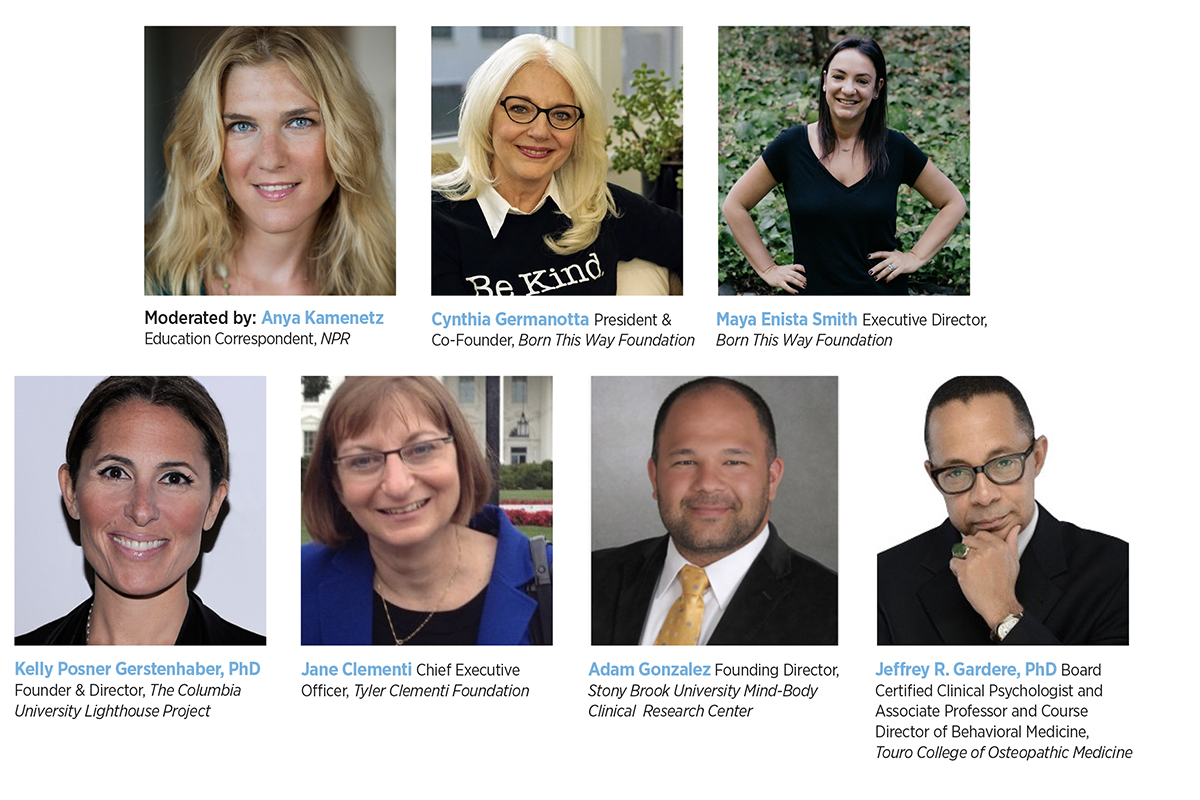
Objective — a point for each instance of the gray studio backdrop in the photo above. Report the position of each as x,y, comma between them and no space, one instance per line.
806,413
49,577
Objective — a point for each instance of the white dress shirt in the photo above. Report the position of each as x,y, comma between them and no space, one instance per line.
724,578
496,209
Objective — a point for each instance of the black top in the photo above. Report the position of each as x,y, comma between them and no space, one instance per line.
1073,584
458,626
834,226
201,626
784,598
467,260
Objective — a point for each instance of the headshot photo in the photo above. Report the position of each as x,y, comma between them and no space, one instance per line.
137,496
270,158
1001,568
427,510
535,188
714,510
866,134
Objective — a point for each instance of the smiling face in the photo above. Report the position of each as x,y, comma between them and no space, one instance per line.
275,166
400,506
527,155
143,497
850,85
971,434
713,480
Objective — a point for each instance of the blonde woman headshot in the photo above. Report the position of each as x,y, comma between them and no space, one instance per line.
275,181
529,211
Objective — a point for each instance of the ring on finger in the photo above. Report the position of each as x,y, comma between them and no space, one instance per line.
960,550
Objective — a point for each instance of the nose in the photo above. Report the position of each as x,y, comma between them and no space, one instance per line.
397,477
272,151
540,128
709,477
984,492
142,508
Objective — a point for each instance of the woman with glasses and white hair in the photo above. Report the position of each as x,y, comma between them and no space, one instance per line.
408,552
528,211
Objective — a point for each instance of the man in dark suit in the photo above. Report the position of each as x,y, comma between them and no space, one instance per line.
1001,568
722,574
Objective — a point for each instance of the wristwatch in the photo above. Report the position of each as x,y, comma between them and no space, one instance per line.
1006,625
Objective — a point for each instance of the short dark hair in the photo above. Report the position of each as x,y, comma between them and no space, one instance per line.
761,409
185,395
357,405
966,387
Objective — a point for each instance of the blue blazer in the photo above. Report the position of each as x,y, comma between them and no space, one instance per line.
337,588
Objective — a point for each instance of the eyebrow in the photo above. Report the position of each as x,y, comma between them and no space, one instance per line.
129,462
728,451
295,112
995,453
529,100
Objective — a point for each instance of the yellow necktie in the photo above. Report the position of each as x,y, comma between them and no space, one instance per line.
682,625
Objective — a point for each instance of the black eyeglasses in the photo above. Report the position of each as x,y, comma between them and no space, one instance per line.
370,463
1001,470
523,112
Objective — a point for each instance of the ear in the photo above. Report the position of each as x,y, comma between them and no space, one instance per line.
67,487
652,470
774,476
879,88
214,504
825,81
1039,455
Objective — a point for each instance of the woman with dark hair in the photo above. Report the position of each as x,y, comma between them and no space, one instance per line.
146,473
407,551
841,178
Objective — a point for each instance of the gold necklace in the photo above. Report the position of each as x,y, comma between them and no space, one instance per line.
438,605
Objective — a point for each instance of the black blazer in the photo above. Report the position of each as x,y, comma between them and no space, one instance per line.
1074,585
785,598
201,625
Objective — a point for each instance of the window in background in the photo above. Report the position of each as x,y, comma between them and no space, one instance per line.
660,48
466,391
456,53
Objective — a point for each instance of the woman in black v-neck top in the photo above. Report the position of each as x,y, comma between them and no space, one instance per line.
841,177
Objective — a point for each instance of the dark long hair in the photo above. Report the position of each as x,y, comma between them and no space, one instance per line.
874,129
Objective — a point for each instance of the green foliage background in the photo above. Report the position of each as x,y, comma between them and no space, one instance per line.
767,84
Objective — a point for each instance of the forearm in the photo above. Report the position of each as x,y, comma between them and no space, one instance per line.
940,230
746,234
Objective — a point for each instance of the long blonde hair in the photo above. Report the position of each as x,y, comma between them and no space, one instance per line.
586,198
195,227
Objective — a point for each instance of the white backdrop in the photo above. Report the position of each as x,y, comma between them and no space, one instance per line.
1081,191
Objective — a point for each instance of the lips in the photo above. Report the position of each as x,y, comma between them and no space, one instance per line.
535,152
274,191
991,524
137,548
402,510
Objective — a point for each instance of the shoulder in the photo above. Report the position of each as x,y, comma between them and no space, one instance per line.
796,567
1081,543
899,142
895,561
222,632
318,560
615,558
792,135
60,631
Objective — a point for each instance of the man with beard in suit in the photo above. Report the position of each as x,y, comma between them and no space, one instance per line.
722,574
